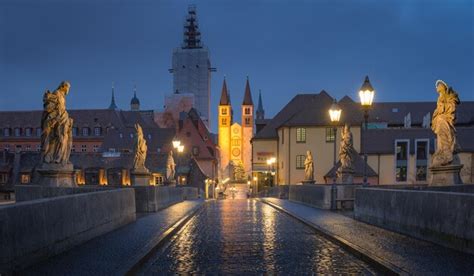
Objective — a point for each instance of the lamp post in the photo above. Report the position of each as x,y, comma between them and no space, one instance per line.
366,95
335,116
180,149
270,163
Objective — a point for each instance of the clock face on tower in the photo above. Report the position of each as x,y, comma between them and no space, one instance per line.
236,152
236,131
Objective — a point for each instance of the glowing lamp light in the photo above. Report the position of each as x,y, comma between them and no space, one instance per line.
180,148
335,112
255,178
366,93
176,143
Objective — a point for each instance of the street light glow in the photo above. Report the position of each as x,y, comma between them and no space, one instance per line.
335,112
176,143
180,148
366,93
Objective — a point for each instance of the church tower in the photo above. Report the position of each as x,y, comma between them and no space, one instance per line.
135,102
191,66
247,128
225,122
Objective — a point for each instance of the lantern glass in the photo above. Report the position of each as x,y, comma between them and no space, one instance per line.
335,113
176,143
366,97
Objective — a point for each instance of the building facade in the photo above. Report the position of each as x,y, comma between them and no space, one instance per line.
399,141
191,67
234,138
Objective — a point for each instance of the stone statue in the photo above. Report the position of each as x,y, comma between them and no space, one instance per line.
308,167
170,167
140,150
56,135
442,125
346,151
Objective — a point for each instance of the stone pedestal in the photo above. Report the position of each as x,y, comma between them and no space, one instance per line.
345,176
171,182
56,175
445,175
140,177
304,182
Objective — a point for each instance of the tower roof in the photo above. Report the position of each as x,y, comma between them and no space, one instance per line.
260,104
225,99
112,102
248,95
135,100
192,35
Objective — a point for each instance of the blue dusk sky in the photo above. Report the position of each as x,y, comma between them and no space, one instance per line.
285,47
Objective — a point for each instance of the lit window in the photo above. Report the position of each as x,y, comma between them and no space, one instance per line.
421,159
301,135
85,131
300,162
97,131
401,156
25,179
330,134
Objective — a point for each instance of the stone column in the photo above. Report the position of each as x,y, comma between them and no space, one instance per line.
445,175
140,177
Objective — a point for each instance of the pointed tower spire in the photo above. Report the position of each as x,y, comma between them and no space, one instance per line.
260,110
112,102
248,95
225,99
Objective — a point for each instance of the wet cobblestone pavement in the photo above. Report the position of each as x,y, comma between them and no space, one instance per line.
249,237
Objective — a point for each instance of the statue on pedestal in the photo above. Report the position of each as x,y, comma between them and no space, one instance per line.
442,125
140,150
445,165
309,168
56,135
54,167
170,168
346,155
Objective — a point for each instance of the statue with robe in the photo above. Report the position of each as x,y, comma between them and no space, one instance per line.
56,135
308,167
442,125
170,167
346,150
140,150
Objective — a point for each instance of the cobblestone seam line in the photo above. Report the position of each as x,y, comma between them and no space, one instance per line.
148,250
385,266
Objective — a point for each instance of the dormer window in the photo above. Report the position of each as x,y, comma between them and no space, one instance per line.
74,131
97,131
6,132
28,131
38,131
85,131
17,131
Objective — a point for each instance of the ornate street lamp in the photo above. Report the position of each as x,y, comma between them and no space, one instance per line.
335,116
176,143
271,169
366,95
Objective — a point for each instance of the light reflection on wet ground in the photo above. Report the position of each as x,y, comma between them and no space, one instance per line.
246,236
